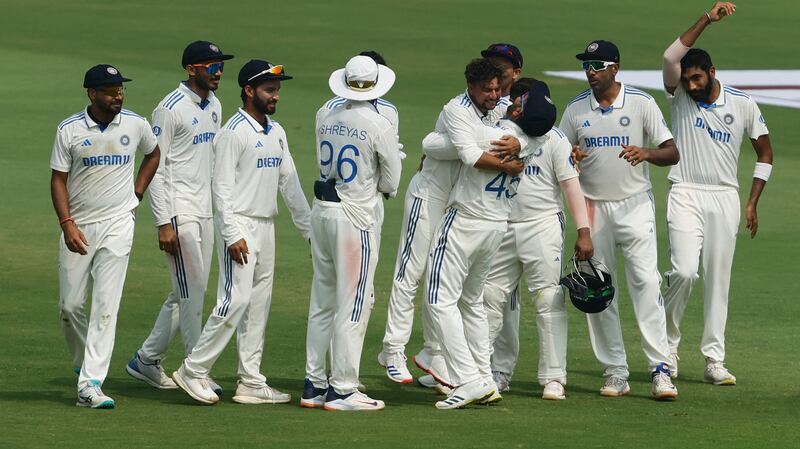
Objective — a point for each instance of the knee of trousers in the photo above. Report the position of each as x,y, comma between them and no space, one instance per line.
69,309
682,274
549,300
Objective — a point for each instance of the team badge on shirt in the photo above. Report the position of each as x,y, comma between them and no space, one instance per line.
124,140
214,117
624,120
728,119
280,141
156,131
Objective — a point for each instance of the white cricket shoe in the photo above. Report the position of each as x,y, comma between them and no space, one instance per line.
554,391
476,391
214,386
717,374
433,365
427,381
673,365
198,388
396,369
90,395
313,397
259,395
361,387
150,373
353,402
663,388
502,380
615,387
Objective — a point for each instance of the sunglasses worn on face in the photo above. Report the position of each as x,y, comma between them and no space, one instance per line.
597,66
212,67
274,70
112,91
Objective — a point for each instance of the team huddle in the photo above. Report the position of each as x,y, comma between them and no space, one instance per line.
484,211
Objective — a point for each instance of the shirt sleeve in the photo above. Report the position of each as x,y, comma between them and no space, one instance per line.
755,126
147,140
61,158
461,131
228,148
561,159
655,126
293,196
568,127
160,201
389,162
438,146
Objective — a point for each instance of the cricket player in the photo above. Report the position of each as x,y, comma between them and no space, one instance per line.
533,244
357,157
467,239
252,163
185,123
710,120
426,198
611,123
95,197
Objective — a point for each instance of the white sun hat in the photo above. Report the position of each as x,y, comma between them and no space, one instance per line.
362,79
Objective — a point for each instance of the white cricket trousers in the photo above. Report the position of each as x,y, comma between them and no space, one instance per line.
505,348
344,260
534,249
703,222
244,296
458,264
102,270
629,223
420,219
183,308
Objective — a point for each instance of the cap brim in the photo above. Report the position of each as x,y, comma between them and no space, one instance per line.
338,85
107,83
594,57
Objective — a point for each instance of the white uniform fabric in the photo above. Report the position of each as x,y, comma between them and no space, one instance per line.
185,126
533,246
100,163
633,119
357,147
251,165
621,213
703,207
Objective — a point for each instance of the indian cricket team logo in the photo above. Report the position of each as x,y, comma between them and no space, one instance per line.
280,141
592,47
728,119
214,117
156,131
125,140
112,70
625,120
214,48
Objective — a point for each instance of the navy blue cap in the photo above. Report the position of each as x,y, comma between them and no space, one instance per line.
600,50
202,51
257,70
539,112
103,75
506,51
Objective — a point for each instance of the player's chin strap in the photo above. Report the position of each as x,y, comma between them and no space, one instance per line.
600,274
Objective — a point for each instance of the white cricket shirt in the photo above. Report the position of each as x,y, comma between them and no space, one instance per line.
633,119
251,164
709,136
357,147
100,163
185,126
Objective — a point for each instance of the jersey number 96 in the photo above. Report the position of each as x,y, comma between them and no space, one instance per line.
326,154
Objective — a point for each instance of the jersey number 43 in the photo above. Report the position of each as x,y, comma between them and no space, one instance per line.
499,185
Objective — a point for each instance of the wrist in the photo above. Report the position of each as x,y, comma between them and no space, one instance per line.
139,196
583,232
708,18
66,220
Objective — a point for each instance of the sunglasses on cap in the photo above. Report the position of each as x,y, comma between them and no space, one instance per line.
597,66
111,91
274,70
504,49
212,68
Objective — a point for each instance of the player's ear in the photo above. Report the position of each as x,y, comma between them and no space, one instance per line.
249,91
712,72
91,93
191,70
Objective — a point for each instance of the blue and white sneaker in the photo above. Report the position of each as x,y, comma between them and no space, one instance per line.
663,389
478,391
396,369
352,402
151,373
313,397
91,396
214,386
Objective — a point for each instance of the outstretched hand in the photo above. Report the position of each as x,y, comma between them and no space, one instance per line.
720,10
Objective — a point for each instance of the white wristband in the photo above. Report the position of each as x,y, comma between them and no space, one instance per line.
762,171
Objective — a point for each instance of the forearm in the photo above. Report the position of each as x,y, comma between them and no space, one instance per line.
671,68
438,146
147,170
59,195
493,163
689,37
665,155
755,191
576,202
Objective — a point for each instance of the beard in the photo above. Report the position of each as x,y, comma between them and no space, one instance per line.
265,107
703,94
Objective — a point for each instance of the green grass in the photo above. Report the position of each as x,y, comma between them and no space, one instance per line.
47,46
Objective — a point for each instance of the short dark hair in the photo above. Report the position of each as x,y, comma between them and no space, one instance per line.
697,57
521,87
377,57
481,70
